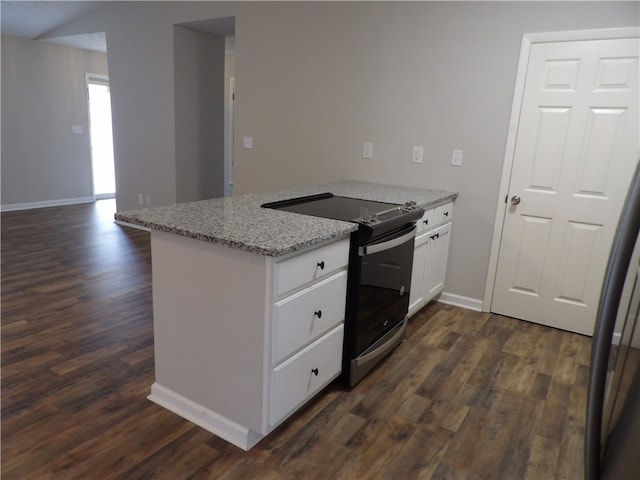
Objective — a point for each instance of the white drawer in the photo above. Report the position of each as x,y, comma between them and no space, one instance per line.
426,222
307,267
443,214
304,316
305,374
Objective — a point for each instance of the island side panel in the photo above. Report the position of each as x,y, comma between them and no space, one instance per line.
209,325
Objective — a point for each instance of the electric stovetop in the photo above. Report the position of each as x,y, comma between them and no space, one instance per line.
327,205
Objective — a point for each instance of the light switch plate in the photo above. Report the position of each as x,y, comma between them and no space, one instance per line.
416,156
456,158
247,142
367,150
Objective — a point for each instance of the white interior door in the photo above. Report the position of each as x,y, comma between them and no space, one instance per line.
576,148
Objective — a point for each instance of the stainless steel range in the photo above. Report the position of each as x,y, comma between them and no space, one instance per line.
380,262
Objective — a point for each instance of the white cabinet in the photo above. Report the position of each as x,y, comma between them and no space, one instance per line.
442,214
430,256
242,340
309,296
303,375
304,268
417,292
436,269
302,317
427,222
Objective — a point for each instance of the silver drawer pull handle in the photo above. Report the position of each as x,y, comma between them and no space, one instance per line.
318,313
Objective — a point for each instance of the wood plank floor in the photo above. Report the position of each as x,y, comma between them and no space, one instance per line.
467,395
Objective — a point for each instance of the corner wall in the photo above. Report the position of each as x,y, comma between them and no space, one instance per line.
43,96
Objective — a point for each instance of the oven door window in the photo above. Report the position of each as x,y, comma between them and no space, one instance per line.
383,296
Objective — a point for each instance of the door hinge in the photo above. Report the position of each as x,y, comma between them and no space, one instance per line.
506,197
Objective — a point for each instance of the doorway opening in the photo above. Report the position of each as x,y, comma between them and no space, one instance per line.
228,146
101,137
204,78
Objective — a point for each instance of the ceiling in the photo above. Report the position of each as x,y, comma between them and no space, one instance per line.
33,19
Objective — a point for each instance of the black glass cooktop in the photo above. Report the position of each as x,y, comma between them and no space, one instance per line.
327,205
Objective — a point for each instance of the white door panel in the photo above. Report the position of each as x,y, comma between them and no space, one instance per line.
576,148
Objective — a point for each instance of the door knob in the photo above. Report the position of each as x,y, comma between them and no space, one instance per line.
515,200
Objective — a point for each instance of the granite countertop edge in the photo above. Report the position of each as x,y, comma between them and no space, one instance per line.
240,222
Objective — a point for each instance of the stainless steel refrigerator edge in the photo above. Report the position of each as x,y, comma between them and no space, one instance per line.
612,435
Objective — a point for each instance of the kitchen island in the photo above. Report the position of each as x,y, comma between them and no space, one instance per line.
248,304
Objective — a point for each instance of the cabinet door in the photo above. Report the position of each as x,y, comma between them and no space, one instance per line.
417,293
437,260
302,376
292,273
443,214
426,222
306,315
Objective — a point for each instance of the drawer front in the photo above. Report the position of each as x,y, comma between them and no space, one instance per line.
304,316
307,267
443,214
426,222
305,374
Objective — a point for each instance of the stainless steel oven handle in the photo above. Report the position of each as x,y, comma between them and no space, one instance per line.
380,247
386,344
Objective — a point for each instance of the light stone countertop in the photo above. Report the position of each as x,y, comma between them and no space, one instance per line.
240,222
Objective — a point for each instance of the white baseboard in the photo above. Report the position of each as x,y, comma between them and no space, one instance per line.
203,417
104,196
460,301
132,225
47,203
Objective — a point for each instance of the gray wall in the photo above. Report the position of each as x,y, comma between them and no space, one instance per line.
199,114
43,95
315,80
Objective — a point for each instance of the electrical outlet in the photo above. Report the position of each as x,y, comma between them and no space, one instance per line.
456,158
140,199
147,199
418,152
367,150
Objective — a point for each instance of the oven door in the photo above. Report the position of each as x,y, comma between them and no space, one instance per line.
383,290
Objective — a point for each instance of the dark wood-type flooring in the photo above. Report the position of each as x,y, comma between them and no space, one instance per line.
467,395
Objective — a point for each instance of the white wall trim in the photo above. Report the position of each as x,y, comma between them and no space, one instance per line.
527,40
44,204
104,196
209,420
578,35
96,78
460,301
